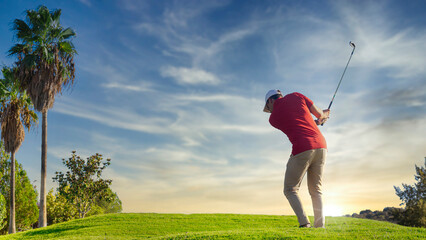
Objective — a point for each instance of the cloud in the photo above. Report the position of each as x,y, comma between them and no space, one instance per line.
112,116
86,2
178,30
133,6
219,98
144,87
174,18
204,51
112,69
104,70
190,76
188,119
409,97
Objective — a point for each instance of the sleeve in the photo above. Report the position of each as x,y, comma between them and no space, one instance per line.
308,101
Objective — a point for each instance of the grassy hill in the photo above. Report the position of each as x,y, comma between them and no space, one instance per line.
216,226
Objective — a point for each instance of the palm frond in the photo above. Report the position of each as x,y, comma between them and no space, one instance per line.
3,90
10,86
23,31
53,34
37,39
28,117
45,52
32,20
19,49
67,47
67,33
56,14
45,17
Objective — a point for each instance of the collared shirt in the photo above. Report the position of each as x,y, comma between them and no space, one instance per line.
291,115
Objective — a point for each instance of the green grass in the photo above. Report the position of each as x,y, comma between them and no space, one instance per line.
216,226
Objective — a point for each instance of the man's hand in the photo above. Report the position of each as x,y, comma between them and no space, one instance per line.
320,122
326,113
324,117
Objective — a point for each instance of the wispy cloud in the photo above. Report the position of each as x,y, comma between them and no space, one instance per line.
86,2
410,97
205,51
184,117
220,98
112,116
190,76
133,88
181,38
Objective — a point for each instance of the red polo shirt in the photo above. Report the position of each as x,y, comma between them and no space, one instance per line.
291,115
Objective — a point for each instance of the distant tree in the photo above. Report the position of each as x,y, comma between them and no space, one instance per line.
45,61
389,214
16,113
366,214
109,204
82,185
26,203
414,199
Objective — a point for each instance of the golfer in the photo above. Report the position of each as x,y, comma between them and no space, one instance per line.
292,115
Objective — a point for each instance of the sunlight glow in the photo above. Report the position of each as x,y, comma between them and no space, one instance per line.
333,210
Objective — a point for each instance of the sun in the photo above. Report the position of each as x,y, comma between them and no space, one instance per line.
333,210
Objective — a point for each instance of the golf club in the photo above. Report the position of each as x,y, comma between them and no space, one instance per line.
353,49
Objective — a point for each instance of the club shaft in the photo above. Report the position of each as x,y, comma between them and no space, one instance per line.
329,106
343,74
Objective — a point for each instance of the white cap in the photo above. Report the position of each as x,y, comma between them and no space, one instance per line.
269,94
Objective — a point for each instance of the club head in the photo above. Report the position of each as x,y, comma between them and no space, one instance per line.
352,44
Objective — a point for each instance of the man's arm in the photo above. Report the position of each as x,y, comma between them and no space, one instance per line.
322,115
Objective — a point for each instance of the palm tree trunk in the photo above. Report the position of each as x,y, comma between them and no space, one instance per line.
42,221
12,226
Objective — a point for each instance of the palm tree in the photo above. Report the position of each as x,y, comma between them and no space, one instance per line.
45,66
16,113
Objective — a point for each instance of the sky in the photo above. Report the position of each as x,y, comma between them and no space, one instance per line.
173,93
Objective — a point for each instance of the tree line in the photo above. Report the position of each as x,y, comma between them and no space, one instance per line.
43,67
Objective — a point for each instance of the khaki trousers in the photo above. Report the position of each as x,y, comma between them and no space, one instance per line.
311,162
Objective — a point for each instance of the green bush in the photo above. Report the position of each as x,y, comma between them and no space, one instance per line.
110,204
3,212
